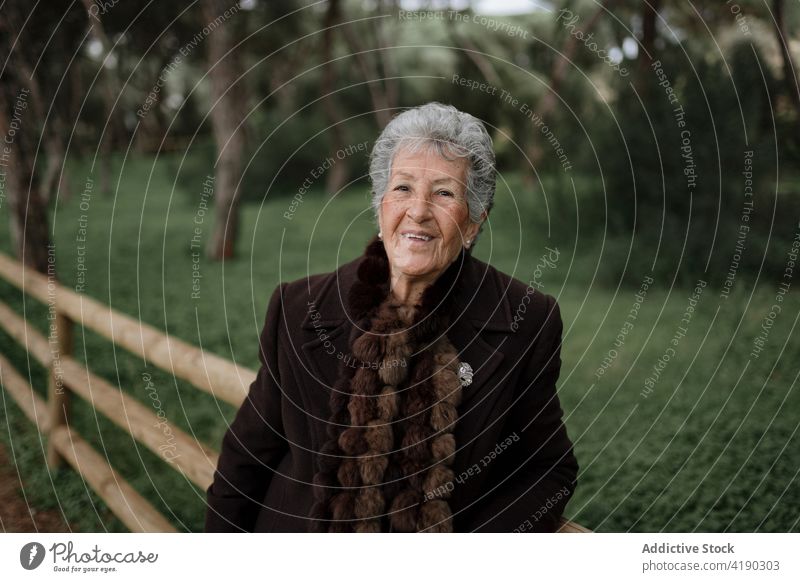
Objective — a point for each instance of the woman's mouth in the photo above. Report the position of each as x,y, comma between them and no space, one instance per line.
416,239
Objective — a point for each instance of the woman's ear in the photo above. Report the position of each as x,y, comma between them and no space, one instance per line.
472,230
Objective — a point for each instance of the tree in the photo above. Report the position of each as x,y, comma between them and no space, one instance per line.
111,93
374,61
228,108
790,75
558,73
32,48
337,176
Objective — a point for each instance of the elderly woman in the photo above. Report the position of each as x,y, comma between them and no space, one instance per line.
396,394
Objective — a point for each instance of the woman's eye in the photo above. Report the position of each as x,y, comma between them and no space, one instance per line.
445,193
401,188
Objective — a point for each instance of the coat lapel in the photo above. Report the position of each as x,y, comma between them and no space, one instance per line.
321,354
329,328
481,356
480,309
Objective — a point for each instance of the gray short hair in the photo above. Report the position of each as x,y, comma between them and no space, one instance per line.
452,133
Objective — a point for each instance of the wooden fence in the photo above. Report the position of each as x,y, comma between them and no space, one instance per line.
219,377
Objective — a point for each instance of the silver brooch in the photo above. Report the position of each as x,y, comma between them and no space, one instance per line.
465,374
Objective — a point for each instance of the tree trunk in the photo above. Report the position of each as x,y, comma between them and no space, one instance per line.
336,177
30,235
649,21
789,71
387,37
152,122
558,72
647,50
377,87
474,54
53,176
110,91
228,103
31,78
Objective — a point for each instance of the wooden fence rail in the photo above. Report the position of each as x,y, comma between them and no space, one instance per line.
219,377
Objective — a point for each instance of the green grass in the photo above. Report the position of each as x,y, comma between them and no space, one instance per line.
713,447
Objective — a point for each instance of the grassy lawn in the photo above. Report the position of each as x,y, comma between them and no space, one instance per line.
710,445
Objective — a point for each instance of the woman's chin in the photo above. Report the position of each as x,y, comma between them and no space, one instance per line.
419,269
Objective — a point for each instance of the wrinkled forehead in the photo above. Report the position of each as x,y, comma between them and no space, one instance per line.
417,158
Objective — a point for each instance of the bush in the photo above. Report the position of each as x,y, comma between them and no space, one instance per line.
681,196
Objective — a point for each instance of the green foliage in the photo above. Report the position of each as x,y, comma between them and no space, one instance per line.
686,227
289,150
707,449
710,449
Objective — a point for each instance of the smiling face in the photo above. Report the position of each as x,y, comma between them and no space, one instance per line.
424,215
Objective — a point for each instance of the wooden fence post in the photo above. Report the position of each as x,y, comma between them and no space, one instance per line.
58,399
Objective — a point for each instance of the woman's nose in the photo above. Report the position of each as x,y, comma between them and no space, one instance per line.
419,208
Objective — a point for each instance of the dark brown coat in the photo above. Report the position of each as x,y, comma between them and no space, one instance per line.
515,468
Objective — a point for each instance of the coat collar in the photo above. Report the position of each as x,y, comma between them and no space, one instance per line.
480,306
478,298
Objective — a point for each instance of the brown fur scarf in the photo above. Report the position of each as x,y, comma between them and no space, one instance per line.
390,435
